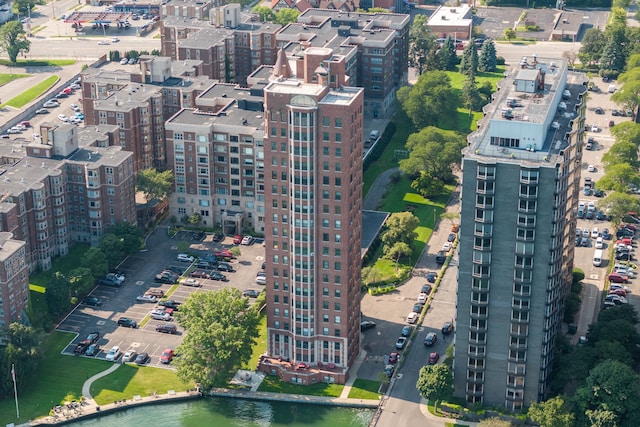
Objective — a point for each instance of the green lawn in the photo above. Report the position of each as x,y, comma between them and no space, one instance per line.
260,346
38,62
62,264
32,93
274,384
6,78
58,378
365,389
132,380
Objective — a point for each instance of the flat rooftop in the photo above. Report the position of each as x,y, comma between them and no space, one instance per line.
451,16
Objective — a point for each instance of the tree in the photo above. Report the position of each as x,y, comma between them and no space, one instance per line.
435,382
611,386
130,236
434,152
592,46
618,330
471,95
113,249
95,260
488,60
398,250
422,44
13,40
629,95
154,184
220,330
621,152
602,418
427,186
286,16
469,62
432,101
81,281
24,6
195,219
22,350
618,177
446,58
400,228
510,34
627,132
617,204
625,311
265,13
58,294
613,56
571,57
551,413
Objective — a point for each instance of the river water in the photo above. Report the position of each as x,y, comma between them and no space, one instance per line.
222,412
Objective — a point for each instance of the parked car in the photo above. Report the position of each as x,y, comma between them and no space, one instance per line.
192,282
252,293
406,330
201,274
389,370
220,277
129,356
93,301
223,266
417,307
167,356
618,291
109,282
146,298
261,280
430,339
92,350
174,305
237,239
426,289
129,323
433,358
422,298
42,111
431,277
441,257
447,328
224,254
412,317
167,328
394,356
158,293
114,354
185,258
247,240
618,278
446,247
401,342
158,314
599,243
142,358
167,277
81,347
367,324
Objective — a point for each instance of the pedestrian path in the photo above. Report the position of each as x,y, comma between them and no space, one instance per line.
354,369
86,387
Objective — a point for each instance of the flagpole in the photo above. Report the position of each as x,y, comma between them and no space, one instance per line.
15,389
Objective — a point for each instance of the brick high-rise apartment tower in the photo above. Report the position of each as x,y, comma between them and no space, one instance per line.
313,194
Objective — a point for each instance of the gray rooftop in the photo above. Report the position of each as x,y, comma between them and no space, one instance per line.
8,246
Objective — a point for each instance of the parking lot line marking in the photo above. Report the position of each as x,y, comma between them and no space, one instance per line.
139,282
101,322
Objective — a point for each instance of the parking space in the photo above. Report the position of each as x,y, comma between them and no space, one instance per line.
140,270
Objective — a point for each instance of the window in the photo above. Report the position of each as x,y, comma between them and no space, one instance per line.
338,122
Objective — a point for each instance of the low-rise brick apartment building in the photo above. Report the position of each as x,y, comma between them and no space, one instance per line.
56,191
14,277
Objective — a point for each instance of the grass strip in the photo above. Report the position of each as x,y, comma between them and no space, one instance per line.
273,384
365,389
32,93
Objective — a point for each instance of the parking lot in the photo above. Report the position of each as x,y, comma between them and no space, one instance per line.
140,270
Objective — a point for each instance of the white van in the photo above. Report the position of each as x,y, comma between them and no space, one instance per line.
597,258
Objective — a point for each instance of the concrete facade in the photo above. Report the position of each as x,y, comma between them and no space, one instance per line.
520,193
456,22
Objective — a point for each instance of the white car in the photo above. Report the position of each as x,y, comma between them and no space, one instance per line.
192,282
114,40
595,128
585,233
185,258
412,318
51,104
591,168
422,298
129,356
591,206
75,107
113,354
581,205
261,280
146,298
626,271
117,277
613,286
594,233
103,43
159,315
599,243
63,117
124,61
446,247
247,240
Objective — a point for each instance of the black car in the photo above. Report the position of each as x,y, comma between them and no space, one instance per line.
426,289
107,281
81,347
251,293
92,350
167,328
167,277
126,322
417,308
174,269
367,324
93,337
198,236
205,264
218,276
599,193
174,305
447,328
431,277
441,257
599,110
451,237
223,266
142,358
96,302
218,237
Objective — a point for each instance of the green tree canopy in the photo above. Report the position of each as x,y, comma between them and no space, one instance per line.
286,16
397,251
400,227
619,177
629,95
113,249
422,44
592,46
81,281
154,184
621,152
58,294
469,61
618,330
551,413
265,13
96,261
446,57
435,382
23,351
432,101
221,329
627,132
488,59
434,152
617,204
130,236
13,40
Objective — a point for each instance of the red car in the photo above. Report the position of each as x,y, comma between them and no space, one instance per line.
393,357
619,291
618,278
433,358
167,356
237,239
224,254
200,274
